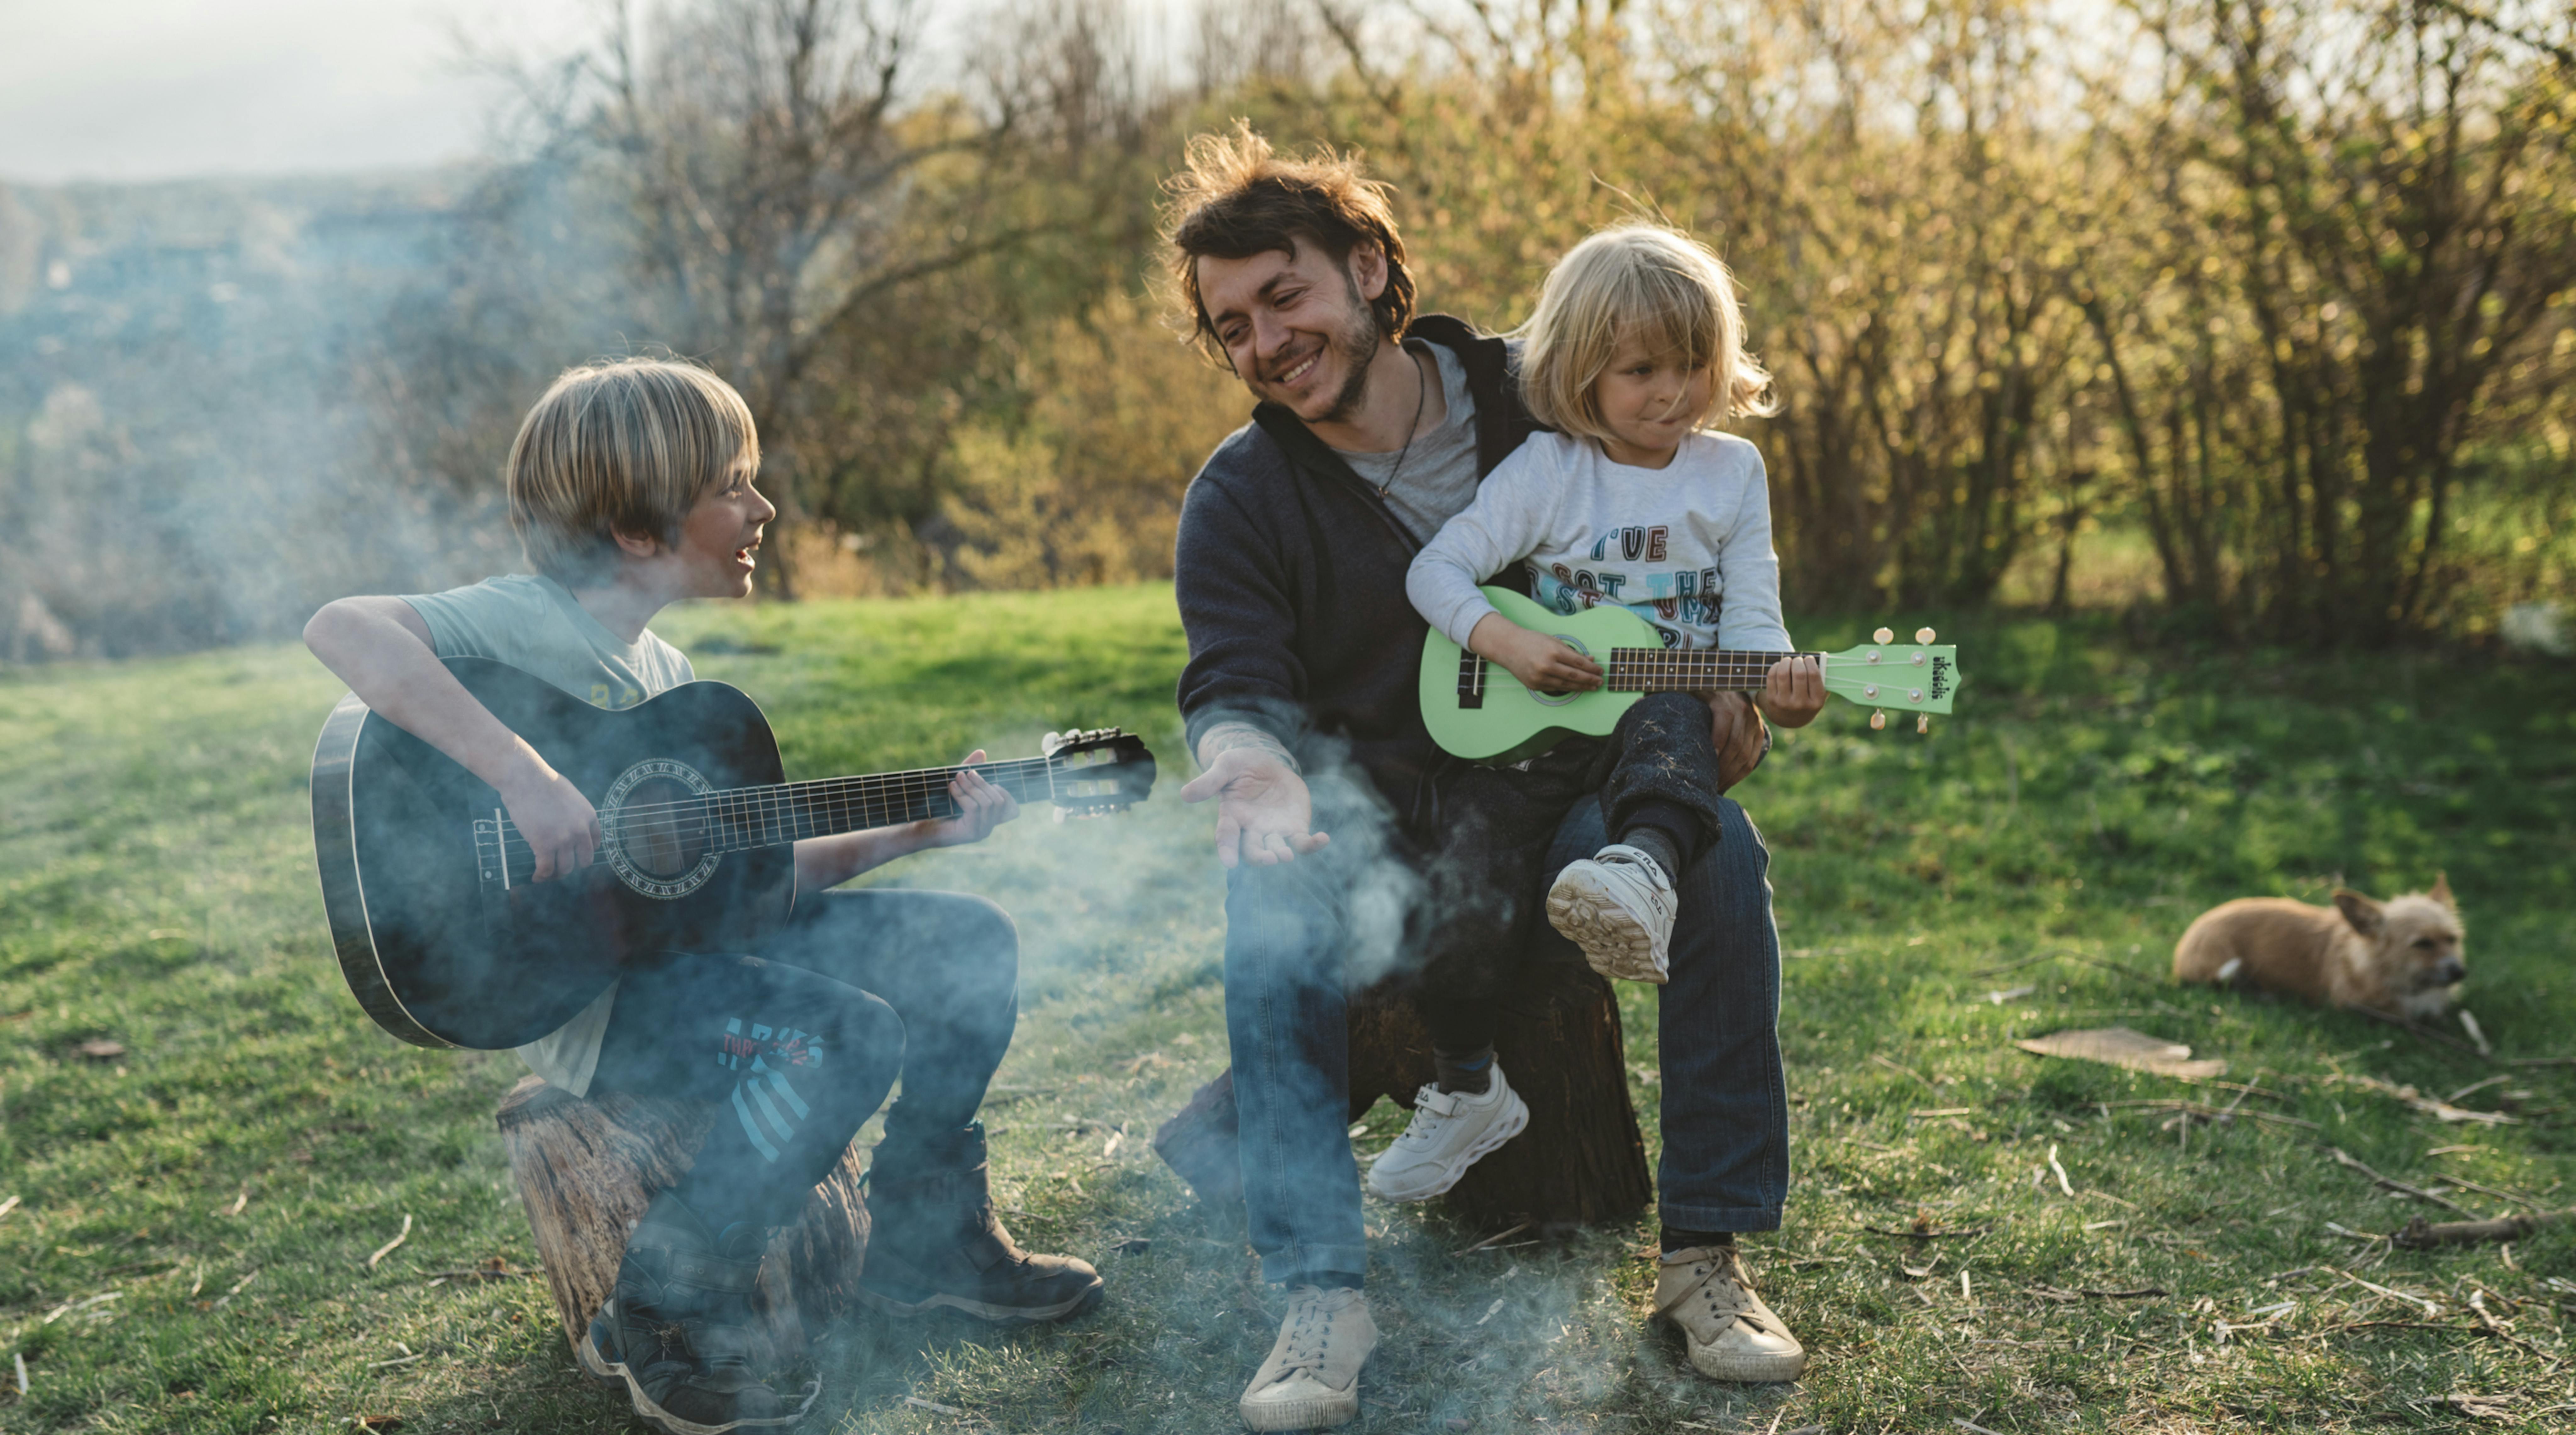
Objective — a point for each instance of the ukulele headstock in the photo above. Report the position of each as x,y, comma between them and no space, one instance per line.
1915,677
1102,770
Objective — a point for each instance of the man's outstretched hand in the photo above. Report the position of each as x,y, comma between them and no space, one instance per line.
1262,811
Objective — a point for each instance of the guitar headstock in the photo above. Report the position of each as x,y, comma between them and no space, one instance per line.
1915,677
1102,770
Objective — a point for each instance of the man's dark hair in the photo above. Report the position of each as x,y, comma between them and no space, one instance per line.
1235,198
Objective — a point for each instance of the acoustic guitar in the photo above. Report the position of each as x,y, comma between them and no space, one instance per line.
447,942
1476,709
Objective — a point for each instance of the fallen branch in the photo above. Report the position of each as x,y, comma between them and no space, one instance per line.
1489,1240
2494,1327
2049,1292
1929,1235
2426,1033
2422,1235
2441,1110
387,1248
2207,1112
2344,1158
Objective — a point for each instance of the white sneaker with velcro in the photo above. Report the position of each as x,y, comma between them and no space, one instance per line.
1450,1131
1617,905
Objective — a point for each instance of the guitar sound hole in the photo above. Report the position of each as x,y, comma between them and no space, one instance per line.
662,825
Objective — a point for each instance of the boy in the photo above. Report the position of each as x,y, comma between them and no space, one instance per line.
630,487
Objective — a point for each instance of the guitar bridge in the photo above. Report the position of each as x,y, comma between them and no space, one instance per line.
1471,680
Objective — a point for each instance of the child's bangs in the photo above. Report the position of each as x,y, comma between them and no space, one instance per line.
1665,311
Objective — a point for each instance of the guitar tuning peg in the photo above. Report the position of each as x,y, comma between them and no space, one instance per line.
1060,816
1877,721
1923,635
1923,722
1883,635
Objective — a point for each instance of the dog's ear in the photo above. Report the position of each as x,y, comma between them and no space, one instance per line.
2442,891
2365,915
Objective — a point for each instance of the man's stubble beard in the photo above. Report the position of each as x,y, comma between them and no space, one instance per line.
1356,343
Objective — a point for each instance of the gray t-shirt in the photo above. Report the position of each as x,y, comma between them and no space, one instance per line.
1438,478
532,623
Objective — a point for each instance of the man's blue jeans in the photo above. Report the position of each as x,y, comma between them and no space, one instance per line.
1725,1103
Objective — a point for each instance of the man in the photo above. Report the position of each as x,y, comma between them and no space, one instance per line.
1293,546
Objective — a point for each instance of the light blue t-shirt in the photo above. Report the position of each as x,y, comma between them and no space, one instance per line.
534,624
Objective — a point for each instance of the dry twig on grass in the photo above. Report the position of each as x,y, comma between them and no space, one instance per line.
387,1248
2344,1158
2422,1235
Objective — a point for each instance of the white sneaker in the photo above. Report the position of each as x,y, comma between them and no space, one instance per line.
1732,1334
1617,905
1312,1379
1450,1131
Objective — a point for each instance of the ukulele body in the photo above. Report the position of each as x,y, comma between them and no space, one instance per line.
1507,722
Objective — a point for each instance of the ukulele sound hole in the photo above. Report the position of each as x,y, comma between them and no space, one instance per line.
664,827
1558,700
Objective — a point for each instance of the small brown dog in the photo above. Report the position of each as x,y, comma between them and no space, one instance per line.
2401,956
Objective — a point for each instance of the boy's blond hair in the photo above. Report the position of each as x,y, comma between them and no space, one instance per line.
621,446
1635,278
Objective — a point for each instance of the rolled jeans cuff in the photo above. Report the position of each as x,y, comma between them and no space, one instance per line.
1730,1219
1300,1265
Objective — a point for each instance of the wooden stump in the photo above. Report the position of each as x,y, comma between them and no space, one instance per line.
586,1169
1581,1160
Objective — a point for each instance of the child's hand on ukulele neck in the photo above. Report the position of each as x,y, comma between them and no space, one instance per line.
1543,664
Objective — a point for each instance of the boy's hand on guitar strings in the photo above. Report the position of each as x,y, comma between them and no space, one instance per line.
1263,813
552,816
1543,664
981,807
1793,691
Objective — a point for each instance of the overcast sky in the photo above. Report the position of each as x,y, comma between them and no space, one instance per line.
159,89
152,89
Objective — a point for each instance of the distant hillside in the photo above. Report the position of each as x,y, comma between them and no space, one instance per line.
191,440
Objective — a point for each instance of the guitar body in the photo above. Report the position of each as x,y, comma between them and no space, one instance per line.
1507,722
440,950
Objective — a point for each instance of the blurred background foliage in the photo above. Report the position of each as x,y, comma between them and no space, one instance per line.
2251,320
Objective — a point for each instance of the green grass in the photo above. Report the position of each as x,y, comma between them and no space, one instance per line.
156,890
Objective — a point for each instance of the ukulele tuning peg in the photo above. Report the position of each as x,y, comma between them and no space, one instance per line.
1060,816
1877,722
1923,722
1923,635
1052,741
1883,635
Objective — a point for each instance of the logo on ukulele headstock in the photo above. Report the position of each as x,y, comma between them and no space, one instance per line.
1940,676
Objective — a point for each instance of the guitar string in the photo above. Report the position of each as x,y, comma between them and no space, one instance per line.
787,806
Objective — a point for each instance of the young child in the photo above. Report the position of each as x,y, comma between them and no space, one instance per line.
630,486
1636,345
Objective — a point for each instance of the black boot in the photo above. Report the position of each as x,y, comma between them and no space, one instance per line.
678,1331
933,1240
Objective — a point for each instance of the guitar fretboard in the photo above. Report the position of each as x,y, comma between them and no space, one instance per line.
744,818
1653,670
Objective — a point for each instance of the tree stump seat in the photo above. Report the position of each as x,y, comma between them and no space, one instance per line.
1581,1161
586,1169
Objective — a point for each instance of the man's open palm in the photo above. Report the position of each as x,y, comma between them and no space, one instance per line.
1263,812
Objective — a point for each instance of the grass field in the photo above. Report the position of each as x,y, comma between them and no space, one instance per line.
189,1251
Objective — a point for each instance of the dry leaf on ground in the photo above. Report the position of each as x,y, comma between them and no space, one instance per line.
2119,1046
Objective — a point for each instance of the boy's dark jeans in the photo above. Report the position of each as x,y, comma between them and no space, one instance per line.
798,1045
1502,836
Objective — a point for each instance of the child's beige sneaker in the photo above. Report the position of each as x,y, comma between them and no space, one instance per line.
1312,1379
1732,1334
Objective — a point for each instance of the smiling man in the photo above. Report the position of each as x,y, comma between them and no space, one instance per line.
1372,428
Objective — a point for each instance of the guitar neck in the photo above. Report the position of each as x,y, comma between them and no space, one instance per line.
1706,670
750,817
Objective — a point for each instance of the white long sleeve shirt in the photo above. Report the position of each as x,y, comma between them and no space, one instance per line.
1687,547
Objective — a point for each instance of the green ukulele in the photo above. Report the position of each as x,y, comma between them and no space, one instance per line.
1479,711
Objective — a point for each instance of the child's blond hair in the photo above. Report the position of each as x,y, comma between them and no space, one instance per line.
621,446
1636,279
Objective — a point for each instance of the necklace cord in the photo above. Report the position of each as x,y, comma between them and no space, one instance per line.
1421,400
